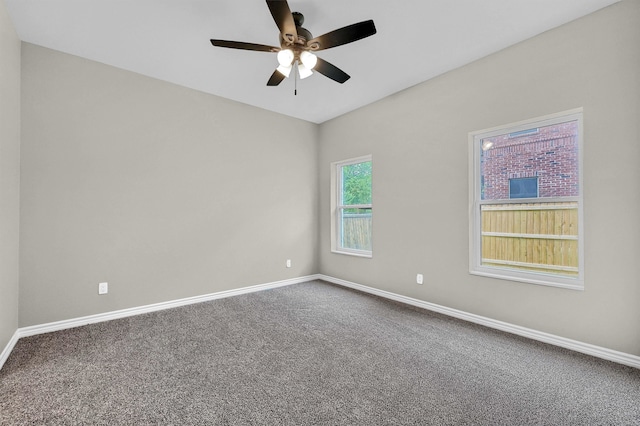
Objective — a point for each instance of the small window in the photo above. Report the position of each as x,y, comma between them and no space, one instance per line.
523,187
352,207
526,201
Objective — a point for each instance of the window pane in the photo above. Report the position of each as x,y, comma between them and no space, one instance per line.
355,229
536,237
356,183
548,155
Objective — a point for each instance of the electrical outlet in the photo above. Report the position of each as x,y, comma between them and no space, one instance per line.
288,263
103,288
419,279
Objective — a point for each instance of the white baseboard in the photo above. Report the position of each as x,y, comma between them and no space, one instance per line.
107,316
7,349
597,351
585,348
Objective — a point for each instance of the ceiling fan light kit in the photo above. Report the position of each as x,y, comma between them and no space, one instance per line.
297,44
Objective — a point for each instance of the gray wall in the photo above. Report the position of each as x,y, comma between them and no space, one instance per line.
9,175
161,191
165,192
419,142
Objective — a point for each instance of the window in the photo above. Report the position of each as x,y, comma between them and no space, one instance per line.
526,201
523,187
352,208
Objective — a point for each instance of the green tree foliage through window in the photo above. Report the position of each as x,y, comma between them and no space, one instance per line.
356,184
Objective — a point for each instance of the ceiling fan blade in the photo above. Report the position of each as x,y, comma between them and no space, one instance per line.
284,19
329,70
244,46
343,35
276,78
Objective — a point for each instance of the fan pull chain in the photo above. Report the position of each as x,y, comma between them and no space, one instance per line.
295,79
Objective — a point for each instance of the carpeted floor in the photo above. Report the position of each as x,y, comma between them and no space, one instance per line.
307,354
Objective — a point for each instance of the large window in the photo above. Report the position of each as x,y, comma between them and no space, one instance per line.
352,207
526,201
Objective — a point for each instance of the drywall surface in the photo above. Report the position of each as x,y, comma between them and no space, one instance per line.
419,142
161,191
9,176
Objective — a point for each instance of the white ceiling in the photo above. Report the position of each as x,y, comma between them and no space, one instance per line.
169,40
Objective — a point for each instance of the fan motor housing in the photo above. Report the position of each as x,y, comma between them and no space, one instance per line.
303,33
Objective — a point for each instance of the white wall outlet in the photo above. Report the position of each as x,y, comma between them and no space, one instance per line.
419,279
103,288
288,263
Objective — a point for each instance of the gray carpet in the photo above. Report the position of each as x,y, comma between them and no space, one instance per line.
307,354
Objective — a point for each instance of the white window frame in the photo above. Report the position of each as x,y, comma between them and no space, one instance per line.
336,207
475,202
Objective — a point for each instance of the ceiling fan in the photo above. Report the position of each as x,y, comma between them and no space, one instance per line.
297,44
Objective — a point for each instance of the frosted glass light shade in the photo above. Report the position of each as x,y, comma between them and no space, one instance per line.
304,71
308,59
285,57
284,70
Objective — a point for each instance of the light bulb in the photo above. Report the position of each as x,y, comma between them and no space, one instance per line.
304,71
284,70
285,57
308,59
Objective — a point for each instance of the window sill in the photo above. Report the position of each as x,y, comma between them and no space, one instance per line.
353,253
530,278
